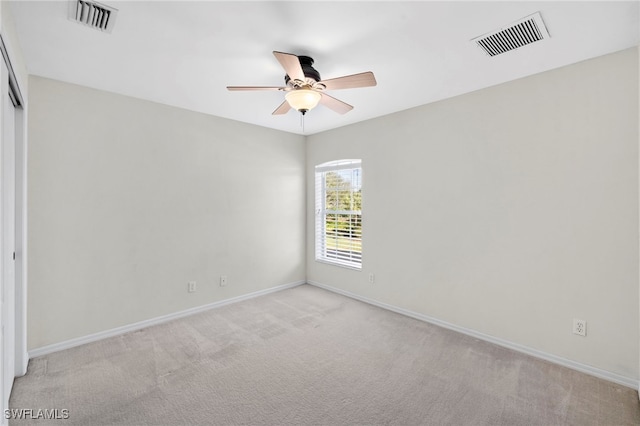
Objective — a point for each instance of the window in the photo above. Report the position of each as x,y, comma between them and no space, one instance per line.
339,213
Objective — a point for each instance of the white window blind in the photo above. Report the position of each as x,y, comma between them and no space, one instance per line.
339,213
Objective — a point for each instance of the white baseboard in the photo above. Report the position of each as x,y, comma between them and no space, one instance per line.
597,372
67,344
603,374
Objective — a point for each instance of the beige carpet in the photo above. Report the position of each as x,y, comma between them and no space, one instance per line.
305,356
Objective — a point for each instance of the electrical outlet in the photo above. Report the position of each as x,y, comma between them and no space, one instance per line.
191,287
579,327
223,280
372,278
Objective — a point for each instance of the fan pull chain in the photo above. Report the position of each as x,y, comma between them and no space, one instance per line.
302,122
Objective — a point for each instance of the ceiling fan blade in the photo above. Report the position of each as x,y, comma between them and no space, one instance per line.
291,65
364,79
239,88
334,104
282,109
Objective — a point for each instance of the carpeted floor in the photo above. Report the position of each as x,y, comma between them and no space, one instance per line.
305,356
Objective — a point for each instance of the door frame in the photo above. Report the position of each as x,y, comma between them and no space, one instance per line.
20,166
8,232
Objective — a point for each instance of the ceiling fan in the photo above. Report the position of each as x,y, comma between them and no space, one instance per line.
305,89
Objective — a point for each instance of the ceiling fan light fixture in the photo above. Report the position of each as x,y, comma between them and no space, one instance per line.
303,100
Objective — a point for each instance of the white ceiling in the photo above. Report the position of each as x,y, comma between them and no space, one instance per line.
185,53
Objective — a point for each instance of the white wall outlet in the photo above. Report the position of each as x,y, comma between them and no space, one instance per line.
579,327
372,278
191,287
223,280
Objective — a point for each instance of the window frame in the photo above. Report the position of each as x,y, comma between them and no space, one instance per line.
350,258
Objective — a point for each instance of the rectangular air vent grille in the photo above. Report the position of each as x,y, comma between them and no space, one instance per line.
525,31
93,14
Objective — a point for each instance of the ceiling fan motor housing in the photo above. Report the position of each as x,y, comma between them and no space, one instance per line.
306,62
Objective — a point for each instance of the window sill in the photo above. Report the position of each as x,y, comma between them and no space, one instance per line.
341,265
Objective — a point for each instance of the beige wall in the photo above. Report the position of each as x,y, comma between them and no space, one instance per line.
508,211
129,200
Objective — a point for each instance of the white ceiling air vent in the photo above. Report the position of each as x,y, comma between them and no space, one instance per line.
520,33
93,14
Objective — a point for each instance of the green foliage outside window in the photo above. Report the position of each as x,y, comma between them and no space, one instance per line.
344,197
